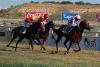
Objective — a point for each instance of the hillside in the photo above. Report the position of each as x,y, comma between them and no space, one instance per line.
87,11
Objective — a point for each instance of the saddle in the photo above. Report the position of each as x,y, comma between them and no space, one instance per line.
24,30
41,30
67,30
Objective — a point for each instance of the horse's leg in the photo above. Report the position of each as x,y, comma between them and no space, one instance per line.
20,39
78,48
65,43
11,40
39,42
58,39
30,41
42,47
68,48
29,45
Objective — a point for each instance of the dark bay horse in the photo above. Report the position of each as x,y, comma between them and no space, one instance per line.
44,35
74,36
31,34
28,35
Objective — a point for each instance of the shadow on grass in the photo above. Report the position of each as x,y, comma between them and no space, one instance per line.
3,49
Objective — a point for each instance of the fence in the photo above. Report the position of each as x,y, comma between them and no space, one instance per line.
5,30
90,39
87,43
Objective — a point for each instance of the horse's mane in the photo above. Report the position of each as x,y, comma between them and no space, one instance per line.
82,23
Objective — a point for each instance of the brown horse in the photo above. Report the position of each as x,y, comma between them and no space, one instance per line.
74,36
44,35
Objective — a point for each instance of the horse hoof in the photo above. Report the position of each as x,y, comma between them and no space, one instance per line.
76,50
56,52
7,45
65,53
44,52
43,49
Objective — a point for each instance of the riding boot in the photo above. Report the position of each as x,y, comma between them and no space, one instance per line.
67,30
37,34
24,31
42,30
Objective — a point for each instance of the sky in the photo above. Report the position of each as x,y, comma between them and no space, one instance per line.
8,3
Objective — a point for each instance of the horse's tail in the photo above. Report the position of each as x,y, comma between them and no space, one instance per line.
12,32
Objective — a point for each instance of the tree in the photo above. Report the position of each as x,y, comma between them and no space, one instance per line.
53,2
66,2
80,3
11,6
31,1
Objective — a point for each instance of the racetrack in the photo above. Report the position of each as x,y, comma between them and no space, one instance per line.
26,58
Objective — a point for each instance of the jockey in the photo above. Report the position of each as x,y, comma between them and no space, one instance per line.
46,18
27,23
34,19
43,21
72,22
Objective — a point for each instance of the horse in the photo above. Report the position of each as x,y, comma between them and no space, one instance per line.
73,36
16,32
44,35
31,34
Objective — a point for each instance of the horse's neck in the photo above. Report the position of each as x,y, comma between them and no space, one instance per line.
47,29
80,31
57,31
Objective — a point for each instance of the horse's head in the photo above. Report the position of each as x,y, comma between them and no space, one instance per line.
84,25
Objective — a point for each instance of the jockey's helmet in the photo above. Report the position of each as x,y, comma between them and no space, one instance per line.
33,17
46,15
41,18
78,17
28,16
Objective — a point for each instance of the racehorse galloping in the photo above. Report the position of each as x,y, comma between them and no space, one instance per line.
16,32
30,35
59,33
74,36
44,35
